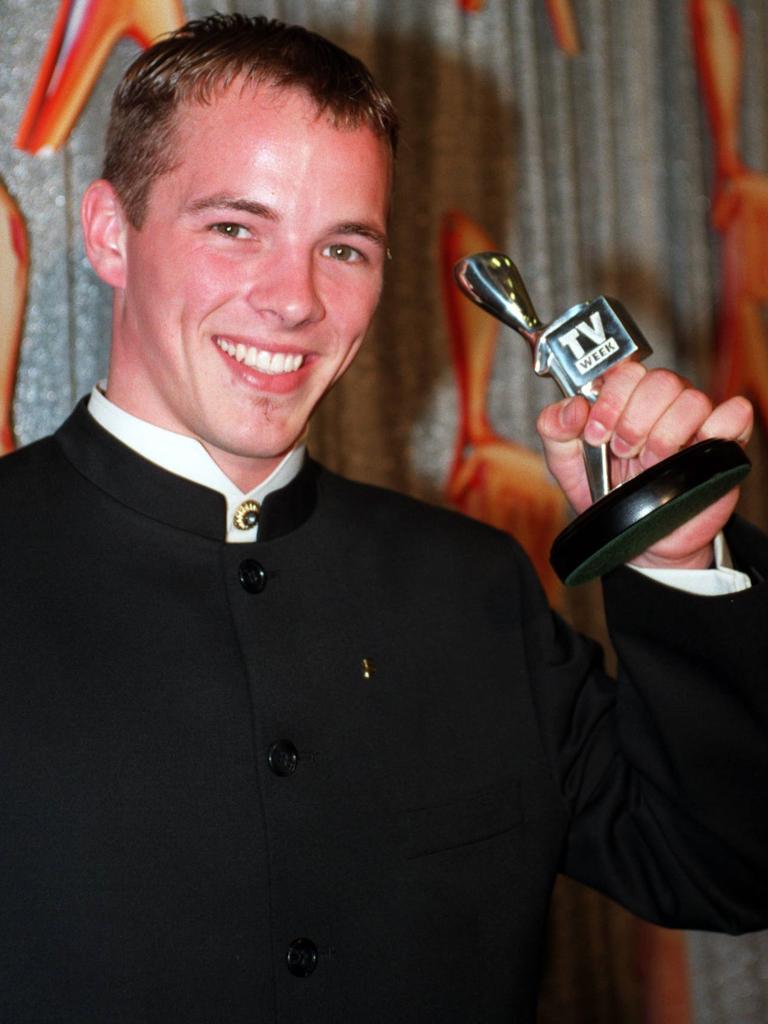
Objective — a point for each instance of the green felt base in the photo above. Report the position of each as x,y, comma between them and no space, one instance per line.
618,528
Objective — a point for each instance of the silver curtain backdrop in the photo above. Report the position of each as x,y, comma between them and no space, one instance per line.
593,171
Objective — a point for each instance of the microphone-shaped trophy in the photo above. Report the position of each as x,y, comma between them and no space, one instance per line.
576,349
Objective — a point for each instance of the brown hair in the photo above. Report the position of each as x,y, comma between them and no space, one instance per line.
205,55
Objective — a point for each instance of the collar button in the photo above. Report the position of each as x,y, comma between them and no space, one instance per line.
246,515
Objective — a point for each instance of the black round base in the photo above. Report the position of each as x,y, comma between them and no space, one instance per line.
638,513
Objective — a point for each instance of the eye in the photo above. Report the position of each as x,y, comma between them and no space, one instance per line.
230,230
343,253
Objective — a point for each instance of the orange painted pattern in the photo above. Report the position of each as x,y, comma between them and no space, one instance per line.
663,965
14,269
560,15
492,479
739,209
564,26
82,36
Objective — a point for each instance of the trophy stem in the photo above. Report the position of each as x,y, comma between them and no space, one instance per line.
596,465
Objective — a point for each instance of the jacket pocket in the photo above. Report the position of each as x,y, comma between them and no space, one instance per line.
467,819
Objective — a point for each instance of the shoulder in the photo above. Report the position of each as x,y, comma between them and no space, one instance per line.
28,486
406,522
18,468
426,563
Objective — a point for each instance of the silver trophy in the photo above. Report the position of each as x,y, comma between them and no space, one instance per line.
576,350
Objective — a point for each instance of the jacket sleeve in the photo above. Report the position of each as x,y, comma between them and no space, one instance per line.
665,773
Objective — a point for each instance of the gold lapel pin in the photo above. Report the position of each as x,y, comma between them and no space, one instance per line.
369,669
246,515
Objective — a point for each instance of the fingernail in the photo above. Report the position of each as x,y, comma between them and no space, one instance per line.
566,413
596,432
621,447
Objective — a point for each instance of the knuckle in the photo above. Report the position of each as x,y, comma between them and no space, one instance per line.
662,442
629,371
632,427
608,407
629,432
665,380
617,389
700,402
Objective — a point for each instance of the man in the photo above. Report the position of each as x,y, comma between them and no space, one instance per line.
330,773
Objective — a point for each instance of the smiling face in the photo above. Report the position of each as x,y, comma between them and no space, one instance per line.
246,292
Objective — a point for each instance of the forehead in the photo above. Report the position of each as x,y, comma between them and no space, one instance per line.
246,129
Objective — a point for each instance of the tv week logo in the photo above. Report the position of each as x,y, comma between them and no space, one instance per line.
591,338
592,334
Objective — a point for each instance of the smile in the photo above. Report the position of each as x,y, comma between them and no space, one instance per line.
261,359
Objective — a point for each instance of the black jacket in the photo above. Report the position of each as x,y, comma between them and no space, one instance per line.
330,776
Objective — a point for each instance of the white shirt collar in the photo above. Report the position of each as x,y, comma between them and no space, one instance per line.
188,458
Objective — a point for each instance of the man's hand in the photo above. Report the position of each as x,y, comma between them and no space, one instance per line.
644,416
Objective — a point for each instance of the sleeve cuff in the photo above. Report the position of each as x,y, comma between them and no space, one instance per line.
716,582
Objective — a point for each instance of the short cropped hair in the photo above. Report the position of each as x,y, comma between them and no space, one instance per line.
204,56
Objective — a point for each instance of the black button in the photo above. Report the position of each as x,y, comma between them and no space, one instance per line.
252,576
283,758
301,957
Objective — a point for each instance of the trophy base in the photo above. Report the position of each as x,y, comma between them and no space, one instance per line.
640,512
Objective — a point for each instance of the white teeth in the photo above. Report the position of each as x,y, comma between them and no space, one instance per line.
266,362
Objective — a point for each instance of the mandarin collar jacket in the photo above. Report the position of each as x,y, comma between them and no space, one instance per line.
331,776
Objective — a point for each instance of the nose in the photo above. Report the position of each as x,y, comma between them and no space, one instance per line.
285,288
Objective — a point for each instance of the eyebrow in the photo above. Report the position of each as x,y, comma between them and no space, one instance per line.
223,201
353,228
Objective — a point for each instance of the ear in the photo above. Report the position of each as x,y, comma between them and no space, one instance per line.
104,227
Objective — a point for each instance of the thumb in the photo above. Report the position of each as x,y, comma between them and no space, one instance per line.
560,427
563,421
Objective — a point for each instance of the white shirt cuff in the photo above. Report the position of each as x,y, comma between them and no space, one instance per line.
722,579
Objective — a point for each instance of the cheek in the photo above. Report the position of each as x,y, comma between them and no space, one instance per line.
354,306
153,278
351,340
208,283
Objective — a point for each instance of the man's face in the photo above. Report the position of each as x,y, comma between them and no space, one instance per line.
252,280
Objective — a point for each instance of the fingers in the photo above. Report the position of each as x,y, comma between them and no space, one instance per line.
616,391
733,420
644,416
675,427
648,415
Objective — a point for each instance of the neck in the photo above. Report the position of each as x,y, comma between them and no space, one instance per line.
244,472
